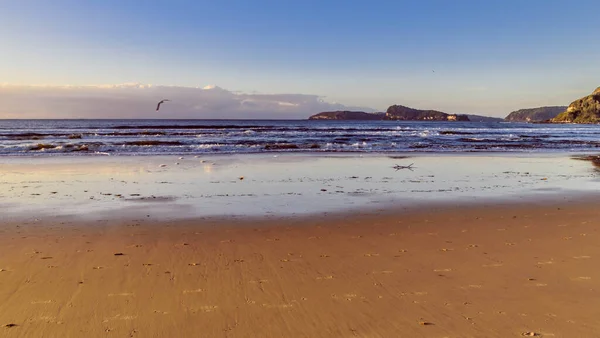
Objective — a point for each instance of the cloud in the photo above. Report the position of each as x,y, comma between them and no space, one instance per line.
134,100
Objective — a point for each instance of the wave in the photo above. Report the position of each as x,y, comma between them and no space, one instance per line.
454,132
152,143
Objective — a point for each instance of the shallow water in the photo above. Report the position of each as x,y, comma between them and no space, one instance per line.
193,137
284,184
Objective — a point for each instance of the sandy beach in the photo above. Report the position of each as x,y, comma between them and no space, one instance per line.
447,269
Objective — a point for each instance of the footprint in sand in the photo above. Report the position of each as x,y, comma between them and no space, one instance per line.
495,265
581,257
119,317
419,293
371,254
446,250
350,296
122,294
258,281
324,277
47,319
582,278
278,306
545,263
442,270
208,308
161,312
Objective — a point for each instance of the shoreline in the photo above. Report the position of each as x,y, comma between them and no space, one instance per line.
288,185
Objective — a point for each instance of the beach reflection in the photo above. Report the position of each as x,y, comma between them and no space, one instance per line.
286,184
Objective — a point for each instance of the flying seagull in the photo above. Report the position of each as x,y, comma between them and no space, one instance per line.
158,105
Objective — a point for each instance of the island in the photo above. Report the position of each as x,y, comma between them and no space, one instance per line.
398,112
583,110
395,112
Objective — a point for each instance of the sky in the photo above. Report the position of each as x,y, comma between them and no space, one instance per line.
477,57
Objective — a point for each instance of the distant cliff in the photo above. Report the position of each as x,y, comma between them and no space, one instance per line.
481,118
397,112
534,114
584,110
347,115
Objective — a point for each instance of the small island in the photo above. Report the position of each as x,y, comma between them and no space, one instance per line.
395,112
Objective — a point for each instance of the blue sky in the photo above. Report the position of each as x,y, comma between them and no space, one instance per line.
489,57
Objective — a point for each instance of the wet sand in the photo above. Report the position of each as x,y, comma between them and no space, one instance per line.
496,271
299,246
289,184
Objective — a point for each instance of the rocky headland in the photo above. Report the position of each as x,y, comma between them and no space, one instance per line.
583,110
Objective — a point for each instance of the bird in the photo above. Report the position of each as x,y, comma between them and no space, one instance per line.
398,167
158,105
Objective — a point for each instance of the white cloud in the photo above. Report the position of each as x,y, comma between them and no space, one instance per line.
135,100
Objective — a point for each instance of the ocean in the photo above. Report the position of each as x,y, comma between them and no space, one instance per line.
198,137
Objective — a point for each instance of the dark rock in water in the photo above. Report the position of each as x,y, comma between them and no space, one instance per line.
314,146
594,159
280,146
74,136
42,146
398,112
81,148
584,110
534,114
347,115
